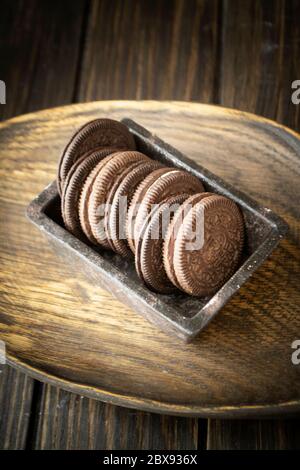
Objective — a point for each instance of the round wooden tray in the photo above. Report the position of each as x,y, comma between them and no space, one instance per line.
57,329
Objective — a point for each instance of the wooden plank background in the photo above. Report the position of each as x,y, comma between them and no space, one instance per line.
237,53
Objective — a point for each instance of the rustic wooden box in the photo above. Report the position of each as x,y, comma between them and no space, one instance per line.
178,313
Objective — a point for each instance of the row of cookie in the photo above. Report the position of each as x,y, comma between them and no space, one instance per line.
121,199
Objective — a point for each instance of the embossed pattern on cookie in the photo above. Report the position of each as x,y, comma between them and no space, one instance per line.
172,231
169,184
98,133
149,249
203,271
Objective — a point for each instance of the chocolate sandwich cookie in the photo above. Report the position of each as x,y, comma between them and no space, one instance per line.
101,187
99,133
136,201
84,198
172,231
110,197
202,270
170,183
149,248
73,185
118,201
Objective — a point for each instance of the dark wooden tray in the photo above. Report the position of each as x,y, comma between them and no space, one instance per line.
178,314
60,329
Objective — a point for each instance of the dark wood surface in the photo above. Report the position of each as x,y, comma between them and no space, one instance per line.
238,53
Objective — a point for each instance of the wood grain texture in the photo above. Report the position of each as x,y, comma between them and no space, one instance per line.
69,421
241,362
259,61
162,49
38,96
16,391
39,65
260,58
253,435
39,53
